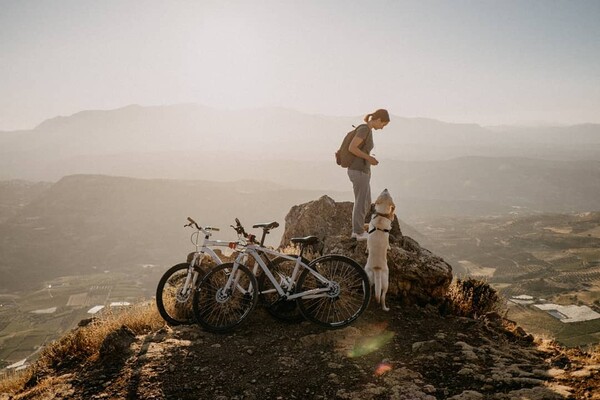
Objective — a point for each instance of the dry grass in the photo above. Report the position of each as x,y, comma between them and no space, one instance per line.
47,388
83,343
14,381
474,298
595,354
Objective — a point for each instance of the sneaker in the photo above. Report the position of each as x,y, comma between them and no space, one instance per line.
360,238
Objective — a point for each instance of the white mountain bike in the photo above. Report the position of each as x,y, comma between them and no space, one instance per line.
175,288
332,290
174,293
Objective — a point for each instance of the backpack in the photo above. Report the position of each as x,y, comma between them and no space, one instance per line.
343,157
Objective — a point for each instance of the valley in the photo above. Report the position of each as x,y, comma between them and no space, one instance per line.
553,258
30,319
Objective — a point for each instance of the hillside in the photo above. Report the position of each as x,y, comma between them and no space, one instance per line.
409,353
16,194
86,223
478,186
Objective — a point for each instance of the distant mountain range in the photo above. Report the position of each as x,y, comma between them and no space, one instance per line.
181,140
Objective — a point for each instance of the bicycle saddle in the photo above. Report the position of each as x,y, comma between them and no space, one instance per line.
305,240
270,225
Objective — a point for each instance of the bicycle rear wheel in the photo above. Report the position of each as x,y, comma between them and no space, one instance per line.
347,296
285,310
218,309
173,298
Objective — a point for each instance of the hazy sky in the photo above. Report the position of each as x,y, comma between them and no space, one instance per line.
488,62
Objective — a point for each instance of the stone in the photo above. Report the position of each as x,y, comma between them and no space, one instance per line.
416,275
116,344
430,346
467,395
466,371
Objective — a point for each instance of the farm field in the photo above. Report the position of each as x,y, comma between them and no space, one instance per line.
554,257
28,320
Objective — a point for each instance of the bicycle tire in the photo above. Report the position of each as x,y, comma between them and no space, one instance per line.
218,311
284,310
175,308
347,299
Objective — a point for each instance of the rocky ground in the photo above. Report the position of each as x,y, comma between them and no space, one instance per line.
409,353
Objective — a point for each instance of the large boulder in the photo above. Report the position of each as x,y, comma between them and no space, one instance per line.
416,275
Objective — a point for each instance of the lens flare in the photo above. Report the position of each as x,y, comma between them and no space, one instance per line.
382,369
370,344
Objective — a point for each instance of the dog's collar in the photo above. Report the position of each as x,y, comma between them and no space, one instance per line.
379,229
386,216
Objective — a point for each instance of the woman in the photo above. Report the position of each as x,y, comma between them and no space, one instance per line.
360,169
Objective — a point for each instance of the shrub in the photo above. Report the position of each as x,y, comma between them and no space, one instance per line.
473,298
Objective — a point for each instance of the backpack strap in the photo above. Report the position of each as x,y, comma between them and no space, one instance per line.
355,128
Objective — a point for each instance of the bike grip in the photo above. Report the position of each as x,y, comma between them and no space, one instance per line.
191,220
215,229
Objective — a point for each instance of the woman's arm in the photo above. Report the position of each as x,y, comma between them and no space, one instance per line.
354,149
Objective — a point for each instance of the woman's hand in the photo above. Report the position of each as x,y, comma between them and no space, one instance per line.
372,160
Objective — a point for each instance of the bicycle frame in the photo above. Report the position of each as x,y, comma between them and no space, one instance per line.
255,251
200,253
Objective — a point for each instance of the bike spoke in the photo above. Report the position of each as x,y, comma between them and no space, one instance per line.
219,310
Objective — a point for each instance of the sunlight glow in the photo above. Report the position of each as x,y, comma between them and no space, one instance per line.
370,344
382,369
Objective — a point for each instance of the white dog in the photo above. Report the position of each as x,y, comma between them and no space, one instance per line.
378,244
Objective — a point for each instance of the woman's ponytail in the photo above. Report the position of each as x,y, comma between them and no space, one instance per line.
380,114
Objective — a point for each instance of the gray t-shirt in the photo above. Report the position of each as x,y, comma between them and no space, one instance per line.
360,164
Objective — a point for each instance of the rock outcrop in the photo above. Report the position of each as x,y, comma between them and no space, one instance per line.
416,275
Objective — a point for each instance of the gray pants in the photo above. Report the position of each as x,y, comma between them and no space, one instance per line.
362,198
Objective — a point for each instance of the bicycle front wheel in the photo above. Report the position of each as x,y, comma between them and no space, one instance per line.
347,295
173,297
220,309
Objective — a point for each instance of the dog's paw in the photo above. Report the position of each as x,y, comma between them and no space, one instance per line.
384,308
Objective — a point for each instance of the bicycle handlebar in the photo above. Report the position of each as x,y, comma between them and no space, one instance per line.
239,228
206,228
